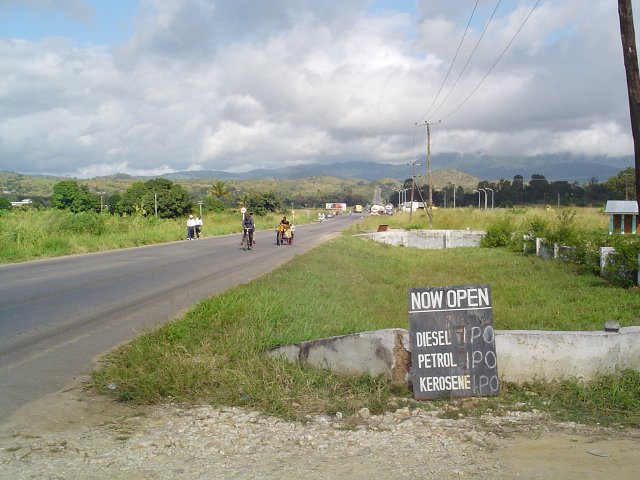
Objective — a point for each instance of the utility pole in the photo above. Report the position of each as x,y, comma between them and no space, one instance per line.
630,54
429,179
101,201
413,186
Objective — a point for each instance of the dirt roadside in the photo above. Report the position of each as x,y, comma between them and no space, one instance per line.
518,447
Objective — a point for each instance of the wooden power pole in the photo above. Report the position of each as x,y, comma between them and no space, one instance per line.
630,53
429,179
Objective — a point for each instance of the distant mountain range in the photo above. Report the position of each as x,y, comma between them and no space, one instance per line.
572,168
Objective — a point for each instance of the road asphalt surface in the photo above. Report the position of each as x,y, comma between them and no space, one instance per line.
58,316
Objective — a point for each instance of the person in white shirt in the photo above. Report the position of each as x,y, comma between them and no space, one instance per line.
191,226
198,227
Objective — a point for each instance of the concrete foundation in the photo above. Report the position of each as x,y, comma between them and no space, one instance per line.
523,355
428,239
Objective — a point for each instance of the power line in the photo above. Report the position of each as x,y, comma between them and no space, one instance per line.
452,62
494,64
486,27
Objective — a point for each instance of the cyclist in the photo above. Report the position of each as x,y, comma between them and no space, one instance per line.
248,228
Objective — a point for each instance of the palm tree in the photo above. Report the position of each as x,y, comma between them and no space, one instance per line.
219,190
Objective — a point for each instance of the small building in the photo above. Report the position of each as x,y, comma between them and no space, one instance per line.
415,206
22,203
623,216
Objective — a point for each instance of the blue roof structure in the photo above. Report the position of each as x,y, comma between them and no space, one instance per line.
622,207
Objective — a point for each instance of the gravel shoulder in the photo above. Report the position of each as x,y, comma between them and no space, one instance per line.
75,434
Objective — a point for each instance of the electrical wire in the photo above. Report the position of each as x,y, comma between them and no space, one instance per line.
494,64
452,63
486,27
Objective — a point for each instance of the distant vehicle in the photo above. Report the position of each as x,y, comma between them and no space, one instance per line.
357,209
377,209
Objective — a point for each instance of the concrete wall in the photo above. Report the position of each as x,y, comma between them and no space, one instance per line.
428,239
523,355
381,352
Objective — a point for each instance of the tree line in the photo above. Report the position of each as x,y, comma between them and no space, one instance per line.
163,198
158,197
537,191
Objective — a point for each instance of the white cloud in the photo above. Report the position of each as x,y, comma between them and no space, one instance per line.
236,85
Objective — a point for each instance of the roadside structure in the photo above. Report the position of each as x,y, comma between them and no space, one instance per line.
623,216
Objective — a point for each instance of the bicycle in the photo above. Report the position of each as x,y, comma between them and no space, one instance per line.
247,239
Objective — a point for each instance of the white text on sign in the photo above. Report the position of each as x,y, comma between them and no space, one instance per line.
432,339
451,299
445,383
436,360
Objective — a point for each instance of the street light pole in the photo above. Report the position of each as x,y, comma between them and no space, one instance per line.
485,196
492,194
399,192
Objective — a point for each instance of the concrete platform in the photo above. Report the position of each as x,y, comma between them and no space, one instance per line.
523,355
427,239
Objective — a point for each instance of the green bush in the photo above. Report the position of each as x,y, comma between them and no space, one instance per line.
622,265
82,223
584,244
586,250
565,231
538,228
500,234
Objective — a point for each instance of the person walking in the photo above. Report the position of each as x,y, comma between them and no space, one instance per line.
191,226
198,227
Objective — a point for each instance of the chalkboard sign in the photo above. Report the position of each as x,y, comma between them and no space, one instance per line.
452,340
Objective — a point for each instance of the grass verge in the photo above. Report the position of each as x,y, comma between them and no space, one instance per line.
214,353
33,234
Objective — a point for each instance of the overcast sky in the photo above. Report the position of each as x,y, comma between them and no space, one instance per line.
95,87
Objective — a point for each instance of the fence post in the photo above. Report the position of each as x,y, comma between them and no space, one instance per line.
604,254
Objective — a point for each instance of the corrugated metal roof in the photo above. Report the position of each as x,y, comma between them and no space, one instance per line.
621,206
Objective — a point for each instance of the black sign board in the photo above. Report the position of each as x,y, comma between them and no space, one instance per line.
453,350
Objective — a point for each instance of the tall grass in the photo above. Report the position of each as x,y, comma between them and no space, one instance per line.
214,353
587,219
31,234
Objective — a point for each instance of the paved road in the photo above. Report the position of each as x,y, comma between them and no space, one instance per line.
58,316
